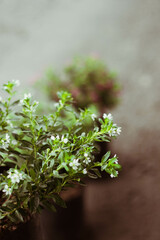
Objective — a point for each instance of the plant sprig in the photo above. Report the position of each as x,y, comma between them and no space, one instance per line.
40,155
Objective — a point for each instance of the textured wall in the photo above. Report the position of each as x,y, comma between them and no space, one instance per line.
126,34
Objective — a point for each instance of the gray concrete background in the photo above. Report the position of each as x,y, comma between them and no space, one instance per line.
126,35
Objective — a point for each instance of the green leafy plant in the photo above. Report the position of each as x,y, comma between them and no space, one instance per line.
42,155
89,82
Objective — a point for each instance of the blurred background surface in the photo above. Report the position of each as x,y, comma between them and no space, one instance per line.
126,36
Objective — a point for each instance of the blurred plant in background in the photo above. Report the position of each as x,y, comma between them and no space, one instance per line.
88,80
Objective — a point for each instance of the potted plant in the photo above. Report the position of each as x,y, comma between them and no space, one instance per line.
43,155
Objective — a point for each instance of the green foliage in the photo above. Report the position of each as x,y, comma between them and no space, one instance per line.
41,155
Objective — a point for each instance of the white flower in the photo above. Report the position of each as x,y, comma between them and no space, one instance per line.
93,116
58,137
7,190
36,102
116,160
56,105
86,154
4,144
14,142
16,82
65,140
109,116
83,134
74,164
85,171
119,129
7,138
53,138
87,160
15,178
112,132
112,176
9,175
27,95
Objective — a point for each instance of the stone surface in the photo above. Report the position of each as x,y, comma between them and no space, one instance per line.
125,34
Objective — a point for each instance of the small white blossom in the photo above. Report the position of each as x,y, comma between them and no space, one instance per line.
74,164
5,144
16,82
15,177
83,134
112,176
116,160
119,130
93,116
14,142
53,138
85,171
63,139
56,105
86,154
7,190
87,160
113,132
109,116
9,175
36,102
7,138
58,137
27,95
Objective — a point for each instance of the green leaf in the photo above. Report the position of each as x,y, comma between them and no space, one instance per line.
91,175
96,171
49,206
105,157
19,216
59,201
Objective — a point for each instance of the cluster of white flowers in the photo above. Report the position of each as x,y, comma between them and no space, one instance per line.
26,97
74,164
109,116
15,176
114,131
5,142
116,160
84,171
112,175
87,160
63,138
16,82
7,190
93,116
